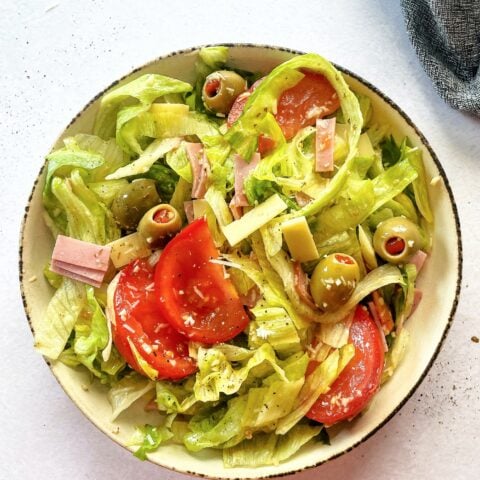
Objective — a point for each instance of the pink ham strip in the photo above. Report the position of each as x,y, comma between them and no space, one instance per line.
83,254
94,275
237,212
82,261
324,143
75,276
418,259
241,171
417,297
302,199
188,207
251,298
376,318
200,168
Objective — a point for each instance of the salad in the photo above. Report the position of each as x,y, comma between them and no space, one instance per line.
240,254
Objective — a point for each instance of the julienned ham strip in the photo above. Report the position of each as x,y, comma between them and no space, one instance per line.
80,260
242,169
200,168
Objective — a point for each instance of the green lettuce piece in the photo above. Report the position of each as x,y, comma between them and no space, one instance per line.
278,269
290,166
156,150
317,383
144,90
88,219
420,186
126,391
91,333
405,296
266,405
178,161
391,152
274,326
219,206
270,286
54,279
218,152
395,354
217,375
392,182
174,397
53,330
114,157
215,426
93,156
181,194
107,190
269,448
150,437
165,179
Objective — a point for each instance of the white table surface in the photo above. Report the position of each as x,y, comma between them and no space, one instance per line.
56,54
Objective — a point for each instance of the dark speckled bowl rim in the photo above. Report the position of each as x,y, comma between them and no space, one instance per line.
424,142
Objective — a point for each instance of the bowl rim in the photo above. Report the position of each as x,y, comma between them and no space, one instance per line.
386,99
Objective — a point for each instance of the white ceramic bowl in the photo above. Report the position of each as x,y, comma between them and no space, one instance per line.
440,282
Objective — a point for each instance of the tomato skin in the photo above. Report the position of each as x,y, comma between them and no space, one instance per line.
360,379
311,98
137,318
193,294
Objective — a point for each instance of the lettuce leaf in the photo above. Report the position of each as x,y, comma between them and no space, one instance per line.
56,325
214,426
150,437
126,391
217,375
144,90
269,448
174,397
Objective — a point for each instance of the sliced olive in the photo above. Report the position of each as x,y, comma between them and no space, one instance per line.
397,239
132,201
220,90
158,222
333,281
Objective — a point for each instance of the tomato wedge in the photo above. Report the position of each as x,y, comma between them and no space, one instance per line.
138,322
360,379
299,106
193,294
311,98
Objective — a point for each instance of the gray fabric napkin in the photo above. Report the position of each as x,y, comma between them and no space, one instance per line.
446,37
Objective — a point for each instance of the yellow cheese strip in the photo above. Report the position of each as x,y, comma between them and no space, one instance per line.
129,248
299,239
240,229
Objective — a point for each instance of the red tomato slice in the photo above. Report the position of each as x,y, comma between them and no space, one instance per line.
360,379
311,98
299,106
193,293
138,320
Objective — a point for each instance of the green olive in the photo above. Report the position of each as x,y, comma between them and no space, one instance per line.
132,201
158,222
397,239
220,90
333,281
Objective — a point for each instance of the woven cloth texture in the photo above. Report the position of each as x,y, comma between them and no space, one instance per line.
446,37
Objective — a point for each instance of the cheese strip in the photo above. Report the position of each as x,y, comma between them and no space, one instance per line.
240,229
299,239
